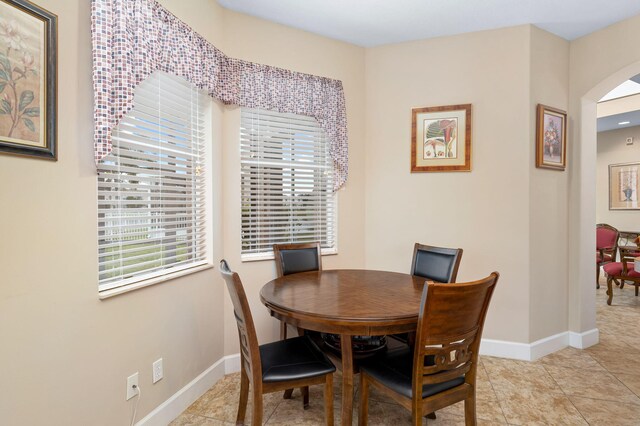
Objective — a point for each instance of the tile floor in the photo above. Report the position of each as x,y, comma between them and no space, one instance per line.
596,386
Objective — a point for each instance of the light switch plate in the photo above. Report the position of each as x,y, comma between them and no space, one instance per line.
158,371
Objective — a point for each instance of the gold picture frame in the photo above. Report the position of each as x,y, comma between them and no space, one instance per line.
441,139
551,138
28,68
624,186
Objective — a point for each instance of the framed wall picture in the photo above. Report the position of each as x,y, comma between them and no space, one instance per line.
624,186
441,139
551,138
28,67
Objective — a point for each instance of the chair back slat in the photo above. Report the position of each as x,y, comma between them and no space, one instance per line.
439,264
447,356
294,258
249,349
449,330
445,376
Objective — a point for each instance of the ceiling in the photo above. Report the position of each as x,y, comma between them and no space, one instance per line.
612,122
628,113
375,22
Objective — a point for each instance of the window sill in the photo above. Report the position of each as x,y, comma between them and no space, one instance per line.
269,255
106,294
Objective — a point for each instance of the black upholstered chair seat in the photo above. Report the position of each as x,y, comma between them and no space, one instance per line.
293,359
394,370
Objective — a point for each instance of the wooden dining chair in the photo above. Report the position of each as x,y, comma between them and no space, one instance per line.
295,258
276,366
441,368
439,264
298,257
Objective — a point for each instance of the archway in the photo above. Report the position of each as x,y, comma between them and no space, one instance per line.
582,209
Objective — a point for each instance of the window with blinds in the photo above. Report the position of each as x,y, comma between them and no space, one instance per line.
286,182
151,189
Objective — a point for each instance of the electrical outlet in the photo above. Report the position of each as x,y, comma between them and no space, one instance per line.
158,372
132,381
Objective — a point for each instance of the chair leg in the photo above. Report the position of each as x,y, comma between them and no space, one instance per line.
416,419
244,396
597,276
636,289
609,290
256,413
283,336
364,400
470,410
305,397
328,400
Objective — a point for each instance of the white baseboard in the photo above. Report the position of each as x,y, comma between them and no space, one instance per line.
549,345
584,340
539,348
232,363
164,413
504,349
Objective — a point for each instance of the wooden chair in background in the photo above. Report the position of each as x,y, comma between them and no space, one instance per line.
277,366
439,264
295,258
441,368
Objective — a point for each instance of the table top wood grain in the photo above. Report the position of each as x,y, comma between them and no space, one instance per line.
357,301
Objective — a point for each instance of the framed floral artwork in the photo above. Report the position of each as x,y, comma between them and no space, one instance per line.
551,138
441,139
28,67
624,184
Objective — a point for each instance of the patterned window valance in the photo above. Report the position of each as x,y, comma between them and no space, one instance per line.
133,38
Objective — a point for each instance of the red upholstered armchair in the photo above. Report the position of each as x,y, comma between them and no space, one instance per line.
606,247
622,271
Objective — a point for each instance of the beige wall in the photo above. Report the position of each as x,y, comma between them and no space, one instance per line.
548,207
598,63
612,149
485,211
65,354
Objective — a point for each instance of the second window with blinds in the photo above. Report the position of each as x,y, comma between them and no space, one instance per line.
286,181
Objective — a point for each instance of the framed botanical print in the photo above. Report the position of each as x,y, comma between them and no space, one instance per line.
551,138
624,184
441,139
28,67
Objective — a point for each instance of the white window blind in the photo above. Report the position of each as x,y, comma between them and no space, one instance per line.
151,189
287,182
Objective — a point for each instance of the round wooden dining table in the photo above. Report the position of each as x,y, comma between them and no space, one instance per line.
347,302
